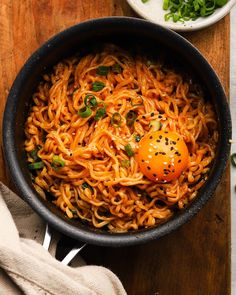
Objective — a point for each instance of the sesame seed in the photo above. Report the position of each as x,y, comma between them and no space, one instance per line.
149,168
156,153
151,137
179,161
152,114
154,175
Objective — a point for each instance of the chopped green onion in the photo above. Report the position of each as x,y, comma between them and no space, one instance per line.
185,10
34,153
137,138
155,125
125,163
116,68
86,185
102,70
129,150
165,5
137,101
36,165
97,86
221,3
100,114
73,211
233,159
57,162
85,112
130,118
90,100
116,119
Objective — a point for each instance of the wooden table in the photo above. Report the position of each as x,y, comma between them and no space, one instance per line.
194,260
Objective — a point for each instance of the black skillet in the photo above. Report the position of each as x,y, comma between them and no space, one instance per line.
130,33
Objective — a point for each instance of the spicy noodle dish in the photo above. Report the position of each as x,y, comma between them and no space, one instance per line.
119,141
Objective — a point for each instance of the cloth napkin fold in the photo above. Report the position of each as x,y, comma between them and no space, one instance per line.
27,268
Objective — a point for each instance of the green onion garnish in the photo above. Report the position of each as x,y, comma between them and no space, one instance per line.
233,159
129,150
137,101
125,163
100,114
137,138
86,185
102,70
34,153
116,68
116,119
90,100
155,125
36,165
130,118
85,112
184,10
57,162
97,86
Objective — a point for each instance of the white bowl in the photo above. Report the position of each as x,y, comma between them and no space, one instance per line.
152,10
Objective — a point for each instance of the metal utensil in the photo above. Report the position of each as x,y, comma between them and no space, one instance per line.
72,253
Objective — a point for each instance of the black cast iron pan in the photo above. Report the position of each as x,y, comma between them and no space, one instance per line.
129,33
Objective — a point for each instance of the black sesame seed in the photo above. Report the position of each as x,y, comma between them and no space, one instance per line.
179,161
151,137
171,148
154,175
160,136
149,168
143,117
166,132
159,116
158,140
143,160
169,166
178,139
156,153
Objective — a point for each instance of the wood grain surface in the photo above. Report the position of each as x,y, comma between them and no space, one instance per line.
194,260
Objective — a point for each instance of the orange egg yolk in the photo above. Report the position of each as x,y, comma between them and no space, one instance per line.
162,155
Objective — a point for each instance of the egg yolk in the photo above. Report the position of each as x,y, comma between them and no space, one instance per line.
162,155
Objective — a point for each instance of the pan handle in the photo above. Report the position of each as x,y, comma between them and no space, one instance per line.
70,255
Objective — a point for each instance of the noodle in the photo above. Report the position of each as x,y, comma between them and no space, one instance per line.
79,150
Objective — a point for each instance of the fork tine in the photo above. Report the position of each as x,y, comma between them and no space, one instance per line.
73,252
47,237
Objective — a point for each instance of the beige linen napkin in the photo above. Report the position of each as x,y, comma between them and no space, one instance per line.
27,268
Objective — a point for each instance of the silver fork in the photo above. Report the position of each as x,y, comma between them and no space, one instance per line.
72,253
